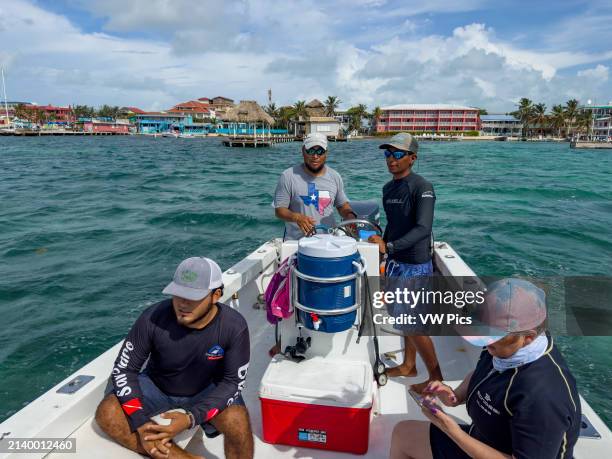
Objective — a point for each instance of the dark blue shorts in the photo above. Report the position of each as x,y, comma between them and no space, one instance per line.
158,402
443,447
405,276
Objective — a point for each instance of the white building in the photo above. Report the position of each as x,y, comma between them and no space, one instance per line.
602,122
501,125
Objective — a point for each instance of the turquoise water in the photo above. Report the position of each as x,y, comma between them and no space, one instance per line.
92,229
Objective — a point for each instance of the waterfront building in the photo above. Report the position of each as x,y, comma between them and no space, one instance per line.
105,127
126,112
315,120
198,109
601,129
158,122
54,114
428,118
221,105
501,125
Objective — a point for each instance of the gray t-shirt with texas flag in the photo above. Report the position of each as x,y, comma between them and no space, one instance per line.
306,194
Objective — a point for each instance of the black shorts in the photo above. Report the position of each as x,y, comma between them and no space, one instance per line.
443,447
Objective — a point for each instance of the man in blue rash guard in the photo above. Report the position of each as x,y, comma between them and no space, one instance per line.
408,200
189,352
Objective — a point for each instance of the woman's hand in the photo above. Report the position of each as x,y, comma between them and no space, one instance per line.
445,393
439,418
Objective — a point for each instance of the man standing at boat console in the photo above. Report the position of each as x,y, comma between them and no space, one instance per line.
408,200
306,194
189,352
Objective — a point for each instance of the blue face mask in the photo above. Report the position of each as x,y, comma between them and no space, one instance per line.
524,355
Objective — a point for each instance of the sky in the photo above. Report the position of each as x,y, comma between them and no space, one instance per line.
153,54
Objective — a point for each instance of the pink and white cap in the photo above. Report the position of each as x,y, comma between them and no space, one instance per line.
511,305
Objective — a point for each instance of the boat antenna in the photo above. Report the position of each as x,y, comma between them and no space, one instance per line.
5,102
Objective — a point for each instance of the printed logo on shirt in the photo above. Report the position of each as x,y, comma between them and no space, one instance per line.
484,403
215,353
427,194
131,406
320,199
394,201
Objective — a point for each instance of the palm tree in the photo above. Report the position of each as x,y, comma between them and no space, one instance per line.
539,118
299,109
284,116
376,114
357,114
557,118
571,110
585,121
524,113
331,104
272,110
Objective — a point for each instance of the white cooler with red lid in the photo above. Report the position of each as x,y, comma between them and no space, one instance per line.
317,403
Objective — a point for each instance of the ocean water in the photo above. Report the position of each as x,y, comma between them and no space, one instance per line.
91,229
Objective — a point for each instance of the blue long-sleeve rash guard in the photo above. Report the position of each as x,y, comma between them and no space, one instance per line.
182,361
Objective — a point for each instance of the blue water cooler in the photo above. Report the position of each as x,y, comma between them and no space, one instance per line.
327,256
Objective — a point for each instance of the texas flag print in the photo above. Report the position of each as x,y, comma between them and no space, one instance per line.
320,199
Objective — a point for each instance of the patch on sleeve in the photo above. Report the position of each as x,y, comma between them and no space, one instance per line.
427,194
211,414
131,406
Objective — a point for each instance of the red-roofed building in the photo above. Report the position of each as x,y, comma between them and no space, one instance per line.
198,110
54,113
131,110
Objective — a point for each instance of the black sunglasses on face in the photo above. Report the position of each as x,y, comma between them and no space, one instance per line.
398,154
316,151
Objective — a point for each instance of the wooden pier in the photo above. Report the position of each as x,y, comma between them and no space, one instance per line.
256,142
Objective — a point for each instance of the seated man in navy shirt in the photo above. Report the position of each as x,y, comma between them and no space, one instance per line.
521,397
197,354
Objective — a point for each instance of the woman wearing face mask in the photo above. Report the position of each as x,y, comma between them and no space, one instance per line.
521,397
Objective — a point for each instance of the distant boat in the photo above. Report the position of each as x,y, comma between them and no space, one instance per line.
501,138
170,134
9,127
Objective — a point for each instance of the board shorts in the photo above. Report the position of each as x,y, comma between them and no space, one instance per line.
158,402
412,277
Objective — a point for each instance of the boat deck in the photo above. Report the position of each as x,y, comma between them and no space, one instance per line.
58,414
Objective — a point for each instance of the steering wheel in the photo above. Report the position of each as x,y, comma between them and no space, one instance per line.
351,227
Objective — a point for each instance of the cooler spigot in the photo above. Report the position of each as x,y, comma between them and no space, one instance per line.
316,322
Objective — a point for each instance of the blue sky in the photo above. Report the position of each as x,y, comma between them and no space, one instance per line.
155,53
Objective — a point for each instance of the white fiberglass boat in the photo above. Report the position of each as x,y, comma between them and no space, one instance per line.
67,410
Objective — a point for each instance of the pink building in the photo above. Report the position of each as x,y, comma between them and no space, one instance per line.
103,127
428,117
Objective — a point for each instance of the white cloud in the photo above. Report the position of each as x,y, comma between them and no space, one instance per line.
600,72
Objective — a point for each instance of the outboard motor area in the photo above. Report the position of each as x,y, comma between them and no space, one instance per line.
328,273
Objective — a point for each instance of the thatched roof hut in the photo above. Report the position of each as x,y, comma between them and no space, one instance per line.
315,108
247,111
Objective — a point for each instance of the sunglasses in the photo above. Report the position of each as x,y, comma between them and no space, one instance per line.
316,151
398,154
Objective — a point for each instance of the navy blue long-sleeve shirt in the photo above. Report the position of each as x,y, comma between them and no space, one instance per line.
409,206
182,361
531,411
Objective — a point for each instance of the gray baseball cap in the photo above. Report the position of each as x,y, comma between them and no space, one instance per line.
511,305
402,141
195,278
315,139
